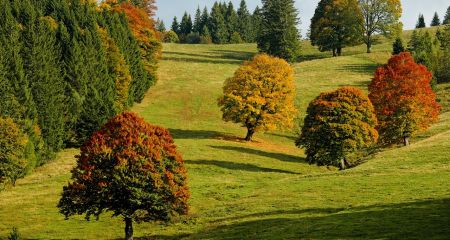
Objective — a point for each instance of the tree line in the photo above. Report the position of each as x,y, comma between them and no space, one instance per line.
66,67
436,21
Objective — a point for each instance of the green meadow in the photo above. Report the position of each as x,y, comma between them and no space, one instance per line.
263,189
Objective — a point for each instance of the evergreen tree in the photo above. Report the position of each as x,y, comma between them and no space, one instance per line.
256,21
231,19
218,27
197,27
447,17
279,35
160,26
420,22
204,22
397,46
186,24
436,21
244,22
175,26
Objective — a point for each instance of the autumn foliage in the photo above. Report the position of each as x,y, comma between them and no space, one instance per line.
403,99
130,168
338,126
260,95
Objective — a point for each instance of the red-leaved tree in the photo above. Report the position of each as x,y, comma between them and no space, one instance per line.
403,99
130,168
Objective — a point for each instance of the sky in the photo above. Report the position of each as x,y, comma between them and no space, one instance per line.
167,9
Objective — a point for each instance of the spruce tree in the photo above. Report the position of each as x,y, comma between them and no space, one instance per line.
436,21
160,26
186,24
175,26
421,22
244,22
256,21
279,35
397,46
447,17
219,32
231,20
197,27
204,21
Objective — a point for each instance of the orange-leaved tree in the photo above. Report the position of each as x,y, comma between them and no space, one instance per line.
339,125
130,168
403,99
260,95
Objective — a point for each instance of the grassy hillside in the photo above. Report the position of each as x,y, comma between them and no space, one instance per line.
263,189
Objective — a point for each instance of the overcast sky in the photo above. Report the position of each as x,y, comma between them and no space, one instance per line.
411,9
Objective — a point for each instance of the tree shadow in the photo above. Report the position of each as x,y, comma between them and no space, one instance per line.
363,84
368,68
235,55
311,57
203,134
416,220
279,156
290,137
198,60
238,166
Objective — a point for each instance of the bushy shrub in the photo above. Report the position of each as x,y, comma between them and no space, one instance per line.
171,37
236,38
192,38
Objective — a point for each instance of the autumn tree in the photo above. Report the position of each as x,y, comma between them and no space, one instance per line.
338,127
420,22
336,24
436,21
403,99
380,16
278,34
130,168
260,95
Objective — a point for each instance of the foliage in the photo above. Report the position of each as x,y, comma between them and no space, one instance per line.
219,31
160,26
336,24
420,22
442,72
171,37
130,168
244,22
13,142
381,16
397,46
175,26
14,235
338,125
260,95
436,21
424,50
186,24
236,38
279,35
447,17
403,99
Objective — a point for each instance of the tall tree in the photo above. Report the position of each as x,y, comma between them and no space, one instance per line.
244,22
447,17
420,22
442,72
186,24
197,27
380,16
175,25
256,21
231,20
218,27
336,24
279,35
160,26
436,21
204,21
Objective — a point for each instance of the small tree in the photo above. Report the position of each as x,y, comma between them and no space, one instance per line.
447,17
236,38
420,22
130,168
403,99
397,46
436,21
338,125
171,37
260,95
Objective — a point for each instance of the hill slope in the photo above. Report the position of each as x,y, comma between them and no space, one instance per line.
262,189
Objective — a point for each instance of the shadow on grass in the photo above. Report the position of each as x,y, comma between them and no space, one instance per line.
198,60
368,68
279,156
237,166
416,220
310,57
290,137
194,134
235,55
218,57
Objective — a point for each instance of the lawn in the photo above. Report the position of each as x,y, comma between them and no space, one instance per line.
263,189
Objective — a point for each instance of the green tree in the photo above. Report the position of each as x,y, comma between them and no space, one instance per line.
256,21
244,22
380,16
204,21
447,17
129,168
197,27
175,26
436,21
338,127
231,20
279,35
160,26
219,32
236,38
171,37
397,46
420,22
186,24
442,72
336,24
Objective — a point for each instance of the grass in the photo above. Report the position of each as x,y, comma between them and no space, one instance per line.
263,189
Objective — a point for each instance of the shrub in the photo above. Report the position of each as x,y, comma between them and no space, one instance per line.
192,38
130,168
260,95
339,126
171,37
403,99
236,38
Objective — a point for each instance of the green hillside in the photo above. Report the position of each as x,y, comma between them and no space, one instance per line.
263,189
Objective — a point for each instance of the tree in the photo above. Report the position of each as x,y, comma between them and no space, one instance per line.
336,24
13,142
397,46
175,26
443,58
197,27
204,22
420,22
244,22
171,37
218,27
403,99
160,26
436,21
279,35
231,20
339,125
380,16
130,168
236,38
256,20
260,95
447,17
186,24
423,49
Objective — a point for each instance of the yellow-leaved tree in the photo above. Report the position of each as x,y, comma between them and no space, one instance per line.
260,95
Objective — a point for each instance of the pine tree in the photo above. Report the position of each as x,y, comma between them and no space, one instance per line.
218,27
160,26
421,22
447,17
436,21
186,24
397,46
231,20
279,35
244,22
204,22
197,27
175,26
256,22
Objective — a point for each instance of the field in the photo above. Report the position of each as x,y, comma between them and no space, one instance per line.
263,189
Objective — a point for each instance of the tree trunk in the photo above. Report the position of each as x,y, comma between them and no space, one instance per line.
334,52
369,43
128,228
339,51
406,141
250,133
342,164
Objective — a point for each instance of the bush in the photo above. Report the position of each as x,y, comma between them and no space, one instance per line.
130,168
260,95
205,40
171,37
14,235
192,38
338,127
236,38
